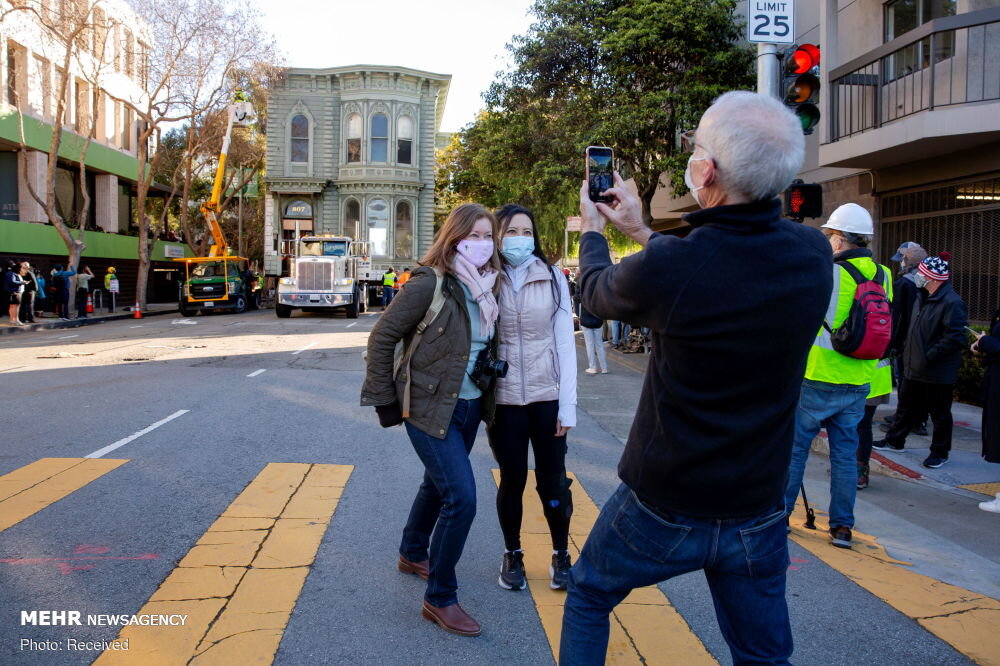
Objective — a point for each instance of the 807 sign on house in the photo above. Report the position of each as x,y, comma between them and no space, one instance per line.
771,22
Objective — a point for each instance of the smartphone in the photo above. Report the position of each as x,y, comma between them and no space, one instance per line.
600,167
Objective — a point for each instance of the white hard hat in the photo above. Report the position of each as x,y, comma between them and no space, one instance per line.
851,218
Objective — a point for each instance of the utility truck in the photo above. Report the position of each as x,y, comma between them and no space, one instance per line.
323,274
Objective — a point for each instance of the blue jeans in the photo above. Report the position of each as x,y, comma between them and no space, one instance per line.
445,504
616,332
387,294
744,560
840,408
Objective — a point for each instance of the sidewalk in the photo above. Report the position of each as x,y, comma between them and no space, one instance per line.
51,321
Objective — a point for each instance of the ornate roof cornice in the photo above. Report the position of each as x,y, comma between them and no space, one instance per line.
296,185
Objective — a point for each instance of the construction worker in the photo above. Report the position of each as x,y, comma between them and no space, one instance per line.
111,287
404,277
388,287
836,385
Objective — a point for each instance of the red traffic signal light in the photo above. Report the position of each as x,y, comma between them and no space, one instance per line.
804,200
801,59
801,85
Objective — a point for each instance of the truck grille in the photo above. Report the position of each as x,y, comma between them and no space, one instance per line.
208,290
315,276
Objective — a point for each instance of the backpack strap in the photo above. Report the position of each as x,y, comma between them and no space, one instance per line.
437,304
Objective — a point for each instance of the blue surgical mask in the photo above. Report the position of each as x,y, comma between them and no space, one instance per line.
517,249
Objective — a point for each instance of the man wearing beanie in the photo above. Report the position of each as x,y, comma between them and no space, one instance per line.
931,357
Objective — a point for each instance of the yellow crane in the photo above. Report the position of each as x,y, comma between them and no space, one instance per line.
241,114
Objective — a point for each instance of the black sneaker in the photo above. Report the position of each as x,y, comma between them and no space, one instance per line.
921,430
559,571
884,444
840,536
862,477
512,571
933,462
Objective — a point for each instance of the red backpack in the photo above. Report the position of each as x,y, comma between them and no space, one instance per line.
866,332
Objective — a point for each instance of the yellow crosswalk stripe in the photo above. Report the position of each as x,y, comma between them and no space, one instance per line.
988,489
239,583
965,620
645,628
29,489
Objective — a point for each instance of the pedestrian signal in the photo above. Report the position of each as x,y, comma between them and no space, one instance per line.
803,200
800,84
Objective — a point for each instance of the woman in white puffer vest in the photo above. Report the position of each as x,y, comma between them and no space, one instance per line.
536,401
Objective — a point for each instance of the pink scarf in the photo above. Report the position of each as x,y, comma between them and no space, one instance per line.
480,284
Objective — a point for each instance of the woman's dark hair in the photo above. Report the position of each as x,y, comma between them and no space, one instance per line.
504,215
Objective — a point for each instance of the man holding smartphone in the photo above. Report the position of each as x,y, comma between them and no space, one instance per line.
733,309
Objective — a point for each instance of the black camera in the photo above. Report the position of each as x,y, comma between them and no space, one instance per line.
487,369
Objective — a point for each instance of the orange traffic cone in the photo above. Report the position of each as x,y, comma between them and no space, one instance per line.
137,311
90,304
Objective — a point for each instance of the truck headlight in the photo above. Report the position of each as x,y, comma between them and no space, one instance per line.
343,282
287,280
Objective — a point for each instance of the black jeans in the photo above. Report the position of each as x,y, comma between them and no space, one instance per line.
81,302
27,311
916,399
513,428
865,435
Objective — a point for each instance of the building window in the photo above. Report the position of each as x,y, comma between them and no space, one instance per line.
12,74
378,225
380,138
44,75
127,128
354,138
902,16
300,139
404,231
352,215
129,46
404,140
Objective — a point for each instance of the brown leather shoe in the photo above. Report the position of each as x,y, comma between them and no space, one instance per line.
418,568
452,619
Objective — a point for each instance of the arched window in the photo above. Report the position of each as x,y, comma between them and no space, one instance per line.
300,139
404,231
354,138
352,215
380,138
378,227
404,140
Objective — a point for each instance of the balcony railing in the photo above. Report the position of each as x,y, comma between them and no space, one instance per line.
945,62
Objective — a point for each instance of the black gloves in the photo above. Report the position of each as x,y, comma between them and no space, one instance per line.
389,415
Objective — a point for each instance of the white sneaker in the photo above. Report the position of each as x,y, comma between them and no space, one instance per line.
604,371
591,371
993,506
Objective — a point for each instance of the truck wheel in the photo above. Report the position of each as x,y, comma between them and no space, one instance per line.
283,311
185,310
241,304
353,309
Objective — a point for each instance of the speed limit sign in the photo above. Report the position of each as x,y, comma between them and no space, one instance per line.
771,22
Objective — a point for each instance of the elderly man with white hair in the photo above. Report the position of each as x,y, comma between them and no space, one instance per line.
733,309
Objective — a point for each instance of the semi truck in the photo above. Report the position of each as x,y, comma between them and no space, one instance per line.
324,273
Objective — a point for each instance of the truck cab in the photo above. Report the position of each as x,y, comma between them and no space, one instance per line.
215,283
322,274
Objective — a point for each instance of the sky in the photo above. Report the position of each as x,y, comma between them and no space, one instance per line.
464,38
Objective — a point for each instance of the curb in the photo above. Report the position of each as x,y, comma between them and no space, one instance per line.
76,323
878,464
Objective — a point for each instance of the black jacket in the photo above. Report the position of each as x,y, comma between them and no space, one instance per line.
733,310
904,296
936,337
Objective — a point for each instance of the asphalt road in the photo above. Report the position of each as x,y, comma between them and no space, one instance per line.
242,392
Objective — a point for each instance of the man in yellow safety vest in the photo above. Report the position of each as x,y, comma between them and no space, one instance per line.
388,287
836,385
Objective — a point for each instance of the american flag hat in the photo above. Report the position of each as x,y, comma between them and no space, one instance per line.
936,268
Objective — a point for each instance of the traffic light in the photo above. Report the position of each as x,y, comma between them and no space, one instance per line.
800,83
803,200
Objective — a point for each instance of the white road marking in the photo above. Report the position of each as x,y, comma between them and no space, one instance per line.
353,323
256,372
139,326
134,436
67,337
16,367
308,346
183,321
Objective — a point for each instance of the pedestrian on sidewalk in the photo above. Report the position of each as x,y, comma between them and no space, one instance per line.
703,472
536,401
441,390
40,298
988,344
878,394
931,358
61,281
591,326
836,383
905,295
83,291
388,287
13,287
27,312
111,287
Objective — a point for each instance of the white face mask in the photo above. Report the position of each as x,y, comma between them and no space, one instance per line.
920,280
690,183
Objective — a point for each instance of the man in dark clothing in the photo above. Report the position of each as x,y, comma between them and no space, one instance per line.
931,358
733,309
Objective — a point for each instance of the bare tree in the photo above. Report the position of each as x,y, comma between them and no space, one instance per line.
195,47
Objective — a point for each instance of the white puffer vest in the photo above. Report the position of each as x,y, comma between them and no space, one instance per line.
527,339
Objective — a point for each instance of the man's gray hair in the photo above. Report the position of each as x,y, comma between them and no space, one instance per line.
755,141
857,240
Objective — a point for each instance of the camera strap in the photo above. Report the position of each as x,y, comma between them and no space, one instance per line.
437,304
